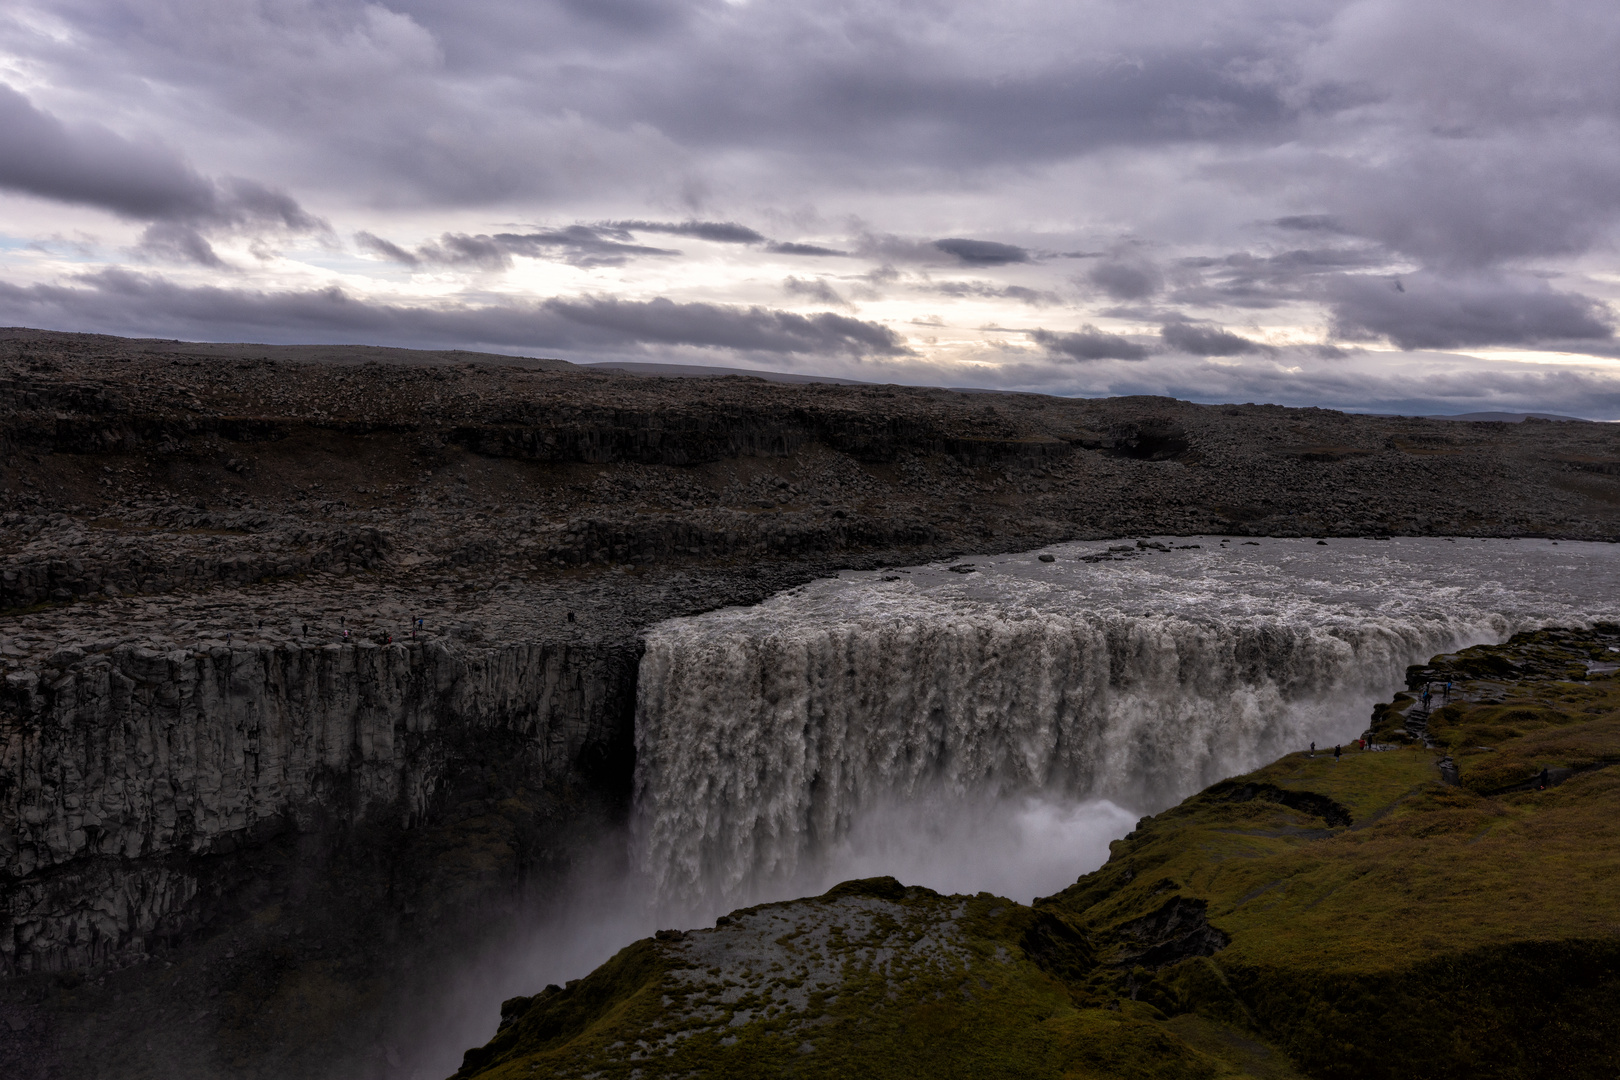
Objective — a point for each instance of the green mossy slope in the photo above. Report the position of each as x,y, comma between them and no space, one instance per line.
1358,916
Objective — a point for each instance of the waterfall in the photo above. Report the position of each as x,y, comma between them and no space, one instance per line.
768,736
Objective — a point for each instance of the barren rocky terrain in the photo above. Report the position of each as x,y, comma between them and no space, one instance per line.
320,661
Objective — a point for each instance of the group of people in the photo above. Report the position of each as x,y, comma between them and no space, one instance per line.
1338,749
1428,694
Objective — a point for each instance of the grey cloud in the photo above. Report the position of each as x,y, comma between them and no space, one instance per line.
179,243
1204,340
1309,223
983,252
990,290
548,101
883,94
578,245
719,326
1243,279
1431,311
816,289
634,17
91,166
800,249
1089,344
385,249
719,232
1126,278
122,302
459,249
1481,207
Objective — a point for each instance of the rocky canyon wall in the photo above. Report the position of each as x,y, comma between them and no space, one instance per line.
130,778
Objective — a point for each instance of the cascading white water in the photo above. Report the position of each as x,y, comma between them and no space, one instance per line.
859,719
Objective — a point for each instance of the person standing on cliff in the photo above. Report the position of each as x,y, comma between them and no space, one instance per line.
1313,749
1337,751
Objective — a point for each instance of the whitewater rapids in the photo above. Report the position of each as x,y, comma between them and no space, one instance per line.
993,728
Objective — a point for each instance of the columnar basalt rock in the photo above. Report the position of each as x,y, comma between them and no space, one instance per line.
132,761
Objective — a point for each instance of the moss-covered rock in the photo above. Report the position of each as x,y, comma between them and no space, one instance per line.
1368,914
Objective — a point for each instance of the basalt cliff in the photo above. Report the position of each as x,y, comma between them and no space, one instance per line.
320,663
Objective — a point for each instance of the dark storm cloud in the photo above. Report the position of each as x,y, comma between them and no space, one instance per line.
983,252
719,232
1429,311
1203,340
577,245
91,166
123,302
1089,344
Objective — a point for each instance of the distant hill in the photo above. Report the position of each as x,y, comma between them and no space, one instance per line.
700,371
1507,417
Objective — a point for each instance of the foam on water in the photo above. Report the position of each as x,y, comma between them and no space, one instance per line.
994,729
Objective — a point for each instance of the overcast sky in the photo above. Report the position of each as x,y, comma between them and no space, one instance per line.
1386,205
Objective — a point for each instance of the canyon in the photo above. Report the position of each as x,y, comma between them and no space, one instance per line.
322,664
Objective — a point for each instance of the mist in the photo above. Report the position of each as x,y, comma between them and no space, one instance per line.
1017,847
